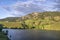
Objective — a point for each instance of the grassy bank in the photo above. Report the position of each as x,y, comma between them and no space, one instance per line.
54,26
3,36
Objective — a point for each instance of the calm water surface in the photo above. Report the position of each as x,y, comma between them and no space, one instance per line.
17,34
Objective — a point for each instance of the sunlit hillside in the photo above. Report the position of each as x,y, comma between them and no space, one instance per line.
36,20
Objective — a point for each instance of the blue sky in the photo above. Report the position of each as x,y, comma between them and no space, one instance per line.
12,8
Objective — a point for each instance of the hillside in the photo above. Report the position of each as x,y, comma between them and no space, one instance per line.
36,20
32,16
10,19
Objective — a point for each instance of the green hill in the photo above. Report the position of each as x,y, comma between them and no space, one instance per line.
35,15
35,20
10,19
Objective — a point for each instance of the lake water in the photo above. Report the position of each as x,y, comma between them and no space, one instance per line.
18,34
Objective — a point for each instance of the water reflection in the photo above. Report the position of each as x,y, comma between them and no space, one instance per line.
17,34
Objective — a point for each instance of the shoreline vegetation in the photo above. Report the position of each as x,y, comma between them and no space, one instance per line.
36,20
3,36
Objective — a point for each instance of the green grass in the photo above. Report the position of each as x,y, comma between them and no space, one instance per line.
11,24
54,26
3,37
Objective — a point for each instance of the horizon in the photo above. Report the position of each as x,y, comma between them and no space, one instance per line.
30,13
18,8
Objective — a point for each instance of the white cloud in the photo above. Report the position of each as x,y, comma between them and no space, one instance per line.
40,0
19,8
24,7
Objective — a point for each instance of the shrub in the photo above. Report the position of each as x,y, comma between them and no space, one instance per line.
1,27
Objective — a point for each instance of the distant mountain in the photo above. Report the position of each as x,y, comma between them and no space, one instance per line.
10,19
35,15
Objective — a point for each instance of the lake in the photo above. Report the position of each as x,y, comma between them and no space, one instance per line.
31,34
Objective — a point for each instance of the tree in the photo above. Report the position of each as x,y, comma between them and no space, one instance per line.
1,27
29,23
24,25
